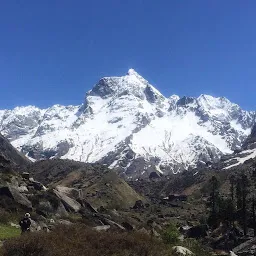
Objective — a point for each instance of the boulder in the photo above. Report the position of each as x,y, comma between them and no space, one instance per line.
127,226
22,188
35,226
198,231
155,233
177,197
102,228
71,192
154,175
61,210
69,203
37,185
247,248
64,222
45,208
15,194
88,206
25,175
138,205
112,223
144,231
181,251
14,225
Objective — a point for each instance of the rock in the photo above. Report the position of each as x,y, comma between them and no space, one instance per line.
177,197
154,175
64,222
184,229
115,212
22,189
155,233
182,251
37,185
61,210
226,238
198,231
87,205
14,225
34,226
25,175
113,223
144,231
138,205
232,253
14,193
102,228
71,192
247,248
68,202
127,226
45,208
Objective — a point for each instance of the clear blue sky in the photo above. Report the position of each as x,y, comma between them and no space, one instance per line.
53,51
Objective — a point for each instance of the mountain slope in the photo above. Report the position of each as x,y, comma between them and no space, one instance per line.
9,155
126,123
99,185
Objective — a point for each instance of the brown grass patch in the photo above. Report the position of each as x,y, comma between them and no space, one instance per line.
80,240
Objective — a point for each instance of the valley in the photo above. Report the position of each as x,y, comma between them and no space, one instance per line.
64,193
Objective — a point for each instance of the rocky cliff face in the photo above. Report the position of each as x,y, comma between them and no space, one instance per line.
128,124
250,142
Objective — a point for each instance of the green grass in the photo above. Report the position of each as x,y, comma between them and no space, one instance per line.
7,231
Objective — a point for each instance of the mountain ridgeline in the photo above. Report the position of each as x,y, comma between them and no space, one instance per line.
126,123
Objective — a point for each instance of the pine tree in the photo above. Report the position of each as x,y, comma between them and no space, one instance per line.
232,180
239,197
253,215
214,200
245,191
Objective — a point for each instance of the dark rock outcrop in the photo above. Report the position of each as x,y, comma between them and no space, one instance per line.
250,143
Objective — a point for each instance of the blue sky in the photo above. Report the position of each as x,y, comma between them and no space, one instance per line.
53,51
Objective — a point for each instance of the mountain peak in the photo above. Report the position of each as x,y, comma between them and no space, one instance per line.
131,72
133,75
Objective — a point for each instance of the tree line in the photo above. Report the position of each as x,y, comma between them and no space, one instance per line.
236,207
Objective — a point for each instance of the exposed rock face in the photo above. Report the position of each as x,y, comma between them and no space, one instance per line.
250,142
126,123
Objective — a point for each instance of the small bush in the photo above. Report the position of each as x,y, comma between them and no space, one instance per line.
4,217
171,235
195,247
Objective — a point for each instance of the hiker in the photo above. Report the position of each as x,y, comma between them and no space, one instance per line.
25,223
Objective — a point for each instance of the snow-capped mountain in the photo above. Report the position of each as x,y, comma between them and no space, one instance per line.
125,122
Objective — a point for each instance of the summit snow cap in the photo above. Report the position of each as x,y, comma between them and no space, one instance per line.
131,71
133,75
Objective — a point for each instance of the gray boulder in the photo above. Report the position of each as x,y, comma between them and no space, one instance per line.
102,228
15,194
69,203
